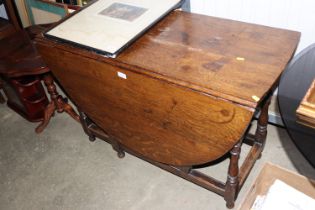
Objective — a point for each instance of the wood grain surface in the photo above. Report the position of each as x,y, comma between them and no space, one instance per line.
305,112
224,58
192,84
161,121
19,57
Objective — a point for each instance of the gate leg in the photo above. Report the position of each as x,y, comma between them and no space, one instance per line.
231,186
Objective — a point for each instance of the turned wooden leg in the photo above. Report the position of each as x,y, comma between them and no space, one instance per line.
117,148
85,121
56,103
232,183
261,130
68,108
49,111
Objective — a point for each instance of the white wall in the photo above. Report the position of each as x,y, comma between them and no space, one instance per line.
296,15
21,7
43,17
3,13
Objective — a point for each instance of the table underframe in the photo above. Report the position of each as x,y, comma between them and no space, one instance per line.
236,175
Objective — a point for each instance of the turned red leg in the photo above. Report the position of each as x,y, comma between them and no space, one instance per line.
232,183
56,103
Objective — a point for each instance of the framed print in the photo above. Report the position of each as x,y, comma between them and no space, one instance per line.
108,26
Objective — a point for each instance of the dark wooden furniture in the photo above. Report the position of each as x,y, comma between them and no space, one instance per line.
182,95
21,70
10,26
26,96
294,84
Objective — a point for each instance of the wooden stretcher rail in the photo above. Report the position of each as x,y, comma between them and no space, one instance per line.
236,175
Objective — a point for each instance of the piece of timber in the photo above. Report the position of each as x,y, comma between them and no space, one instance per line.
305,113
181,95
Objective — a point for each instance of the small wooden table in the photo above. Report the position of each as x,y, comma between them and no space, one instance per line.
182,95
19,58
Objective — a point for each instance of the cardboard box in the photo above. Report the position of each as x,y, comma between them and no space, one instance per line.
266,178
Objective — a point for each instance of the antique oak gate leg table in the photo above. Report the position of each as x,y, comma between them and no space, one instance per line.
190,88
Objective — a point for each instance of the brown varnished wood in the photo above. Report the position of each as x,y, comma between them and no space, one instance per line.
201,52
6,28
192,85
20,60
236,175
175,51
206,58
232,182
188,120
161,121
19,56
187,173
305,113
257,142
57,103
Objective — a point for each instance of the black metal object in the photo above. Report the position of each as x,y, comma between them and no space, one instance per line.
293,86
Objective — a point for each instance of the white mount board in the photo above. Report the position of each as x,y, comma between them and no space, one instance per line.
107,26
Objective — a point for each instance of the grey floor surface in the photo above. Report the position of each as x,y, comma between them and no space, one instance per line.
61,169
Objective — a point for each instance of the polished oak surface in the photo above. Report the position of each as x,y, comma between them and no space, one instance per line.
168,125
229,59
180,103
182,95
164,122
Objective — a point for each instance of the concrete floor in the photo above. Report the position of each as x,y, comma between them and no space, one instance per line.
61,169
